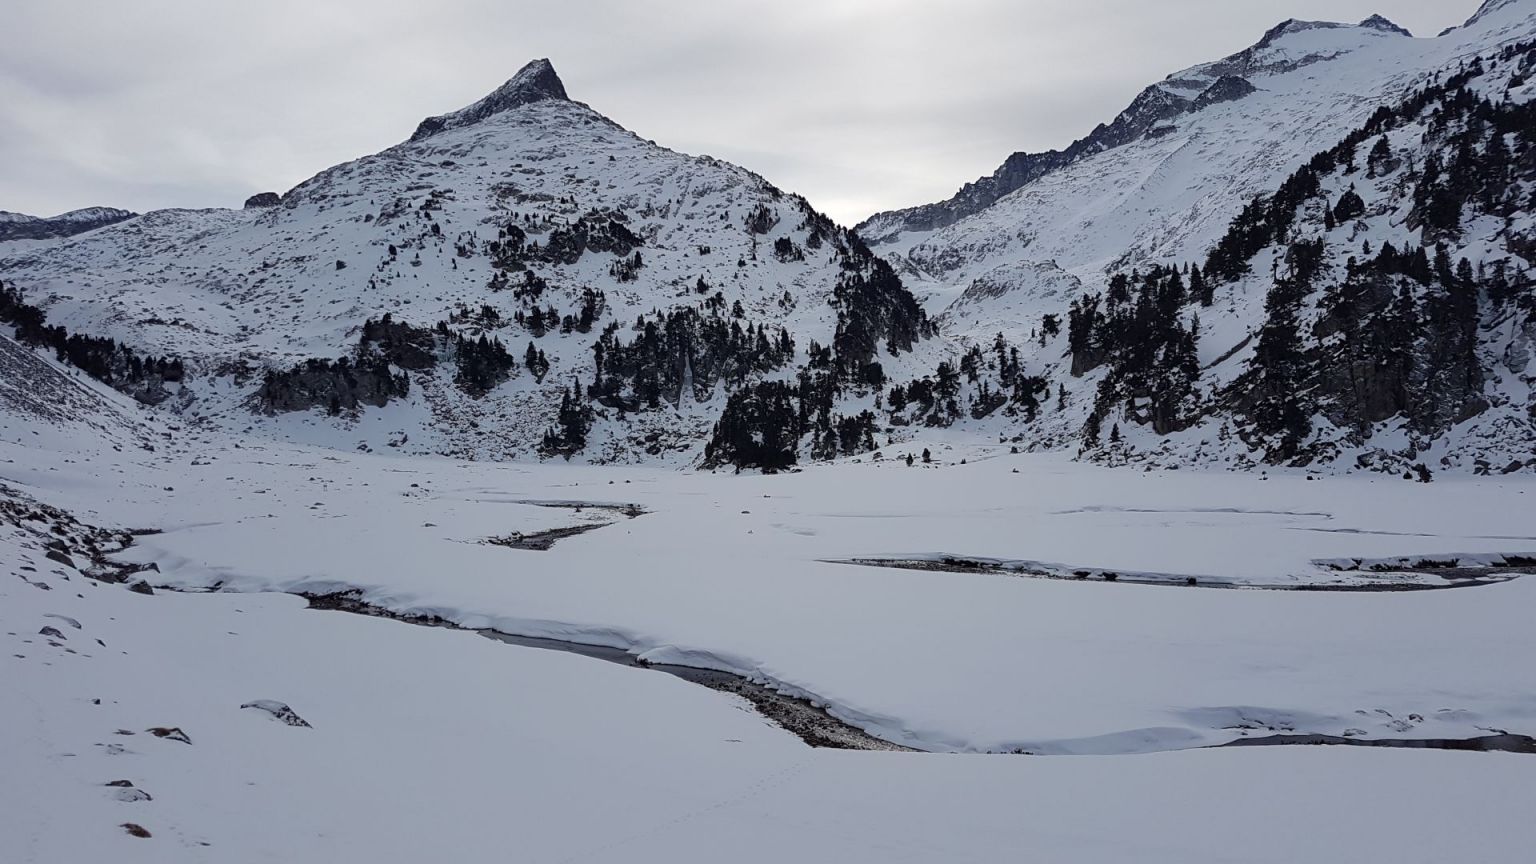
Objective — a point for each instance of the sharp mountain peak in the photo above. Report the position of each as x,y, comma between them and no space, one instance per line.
535,82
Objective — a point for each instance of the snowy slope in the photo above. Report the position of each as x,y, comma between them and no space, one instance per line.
1161,186
44,403
1058,654
1187,159
237,292
527,203
423,742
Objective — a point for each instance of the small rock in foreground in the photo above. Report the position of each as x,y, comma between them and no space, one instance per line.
279,711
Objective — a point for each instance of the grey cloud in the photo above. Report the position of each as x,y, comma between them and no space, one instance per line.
857,105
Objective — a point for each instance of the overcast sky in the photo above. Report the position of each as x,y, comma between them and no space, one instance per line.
858,105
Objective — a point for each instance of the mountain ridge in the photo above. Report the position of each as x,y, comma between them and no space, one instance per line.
20,226
529,280
1159,101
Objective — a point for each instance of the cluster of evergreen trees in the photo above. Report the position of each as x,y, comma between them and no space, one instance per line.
539,321
596,230
402,344
336,385
873,307
116,365
1482,159
996,379
1476,164
481,364
627,269
1398,328
1141,332
759,428
572,423
368,376
787,250
843,435
996,382
537,363
763,424
1272,393
693,348
932,401
761,219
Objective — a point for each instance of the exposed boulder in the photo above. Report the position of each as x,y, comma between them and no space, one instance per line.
174,733
279,711
262,200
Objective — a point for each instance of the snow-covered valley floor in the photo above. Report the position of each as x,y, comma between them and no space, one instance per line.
435,742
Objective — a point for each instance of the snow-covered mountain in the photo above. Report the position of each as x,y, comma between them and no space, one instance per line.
1003,262
20,226
528,220
524,278
1255,113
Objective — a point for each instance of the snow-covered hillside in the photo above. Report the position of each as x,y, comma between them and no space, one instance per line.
1163,184
146,723
300,562
525,204
1162,179
524,279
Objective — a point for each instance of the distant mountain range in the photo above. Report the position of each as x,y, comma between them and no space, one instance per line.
19,226
1203,280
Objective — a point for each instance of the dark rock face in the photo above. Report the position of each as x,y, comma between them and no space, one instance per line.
567,245
172,733
17,226
1228,88
262,200
1377,22
1363,377
535,82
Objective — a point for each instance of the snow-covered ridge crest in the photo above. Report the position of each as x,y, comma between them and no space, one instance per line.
20,226
1284,48
1489,7
535,82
